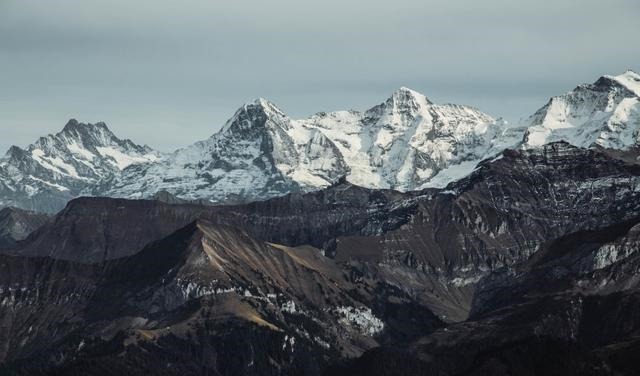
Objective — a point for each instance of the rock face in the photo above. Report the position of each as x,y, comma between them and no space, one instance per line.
17,224
58,167
405,143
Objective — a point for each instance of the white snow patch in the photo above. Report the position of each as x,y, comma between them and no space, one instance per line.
80,151
289,307
630,80
451,173
54,163
460,282
360,318
609,254
52,185
122,160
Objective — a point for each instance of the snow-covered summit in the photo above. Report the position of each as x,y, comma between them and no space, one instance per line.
605,113
402,143
252,116
406,142
404,96
630,80
64,164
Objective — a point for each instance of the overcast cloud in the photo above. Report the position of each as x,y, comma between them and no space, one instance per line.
168,73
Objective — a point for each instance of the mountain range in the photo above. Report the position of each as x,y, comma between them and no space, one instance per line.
502,270
410,239
405,143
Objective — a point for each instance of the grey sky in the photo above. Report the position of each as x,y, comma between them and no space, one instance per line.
169,73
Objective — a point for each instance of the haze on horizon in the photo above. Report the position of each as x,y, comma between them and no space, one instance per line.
170,73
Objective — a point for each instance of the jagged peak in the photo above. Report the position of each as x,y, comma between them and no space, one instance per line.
245,117
260,104
75,125
404,93
402,100
15,152
97,134
71,124
629,80
268,106
404,89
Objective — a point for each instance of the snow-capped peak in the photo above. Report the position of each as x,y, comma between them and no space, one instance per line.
406,142
74,125
407,98
401,109
402,143
68,162
269,106
87,135
628,79
605,113
405,92
252,116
